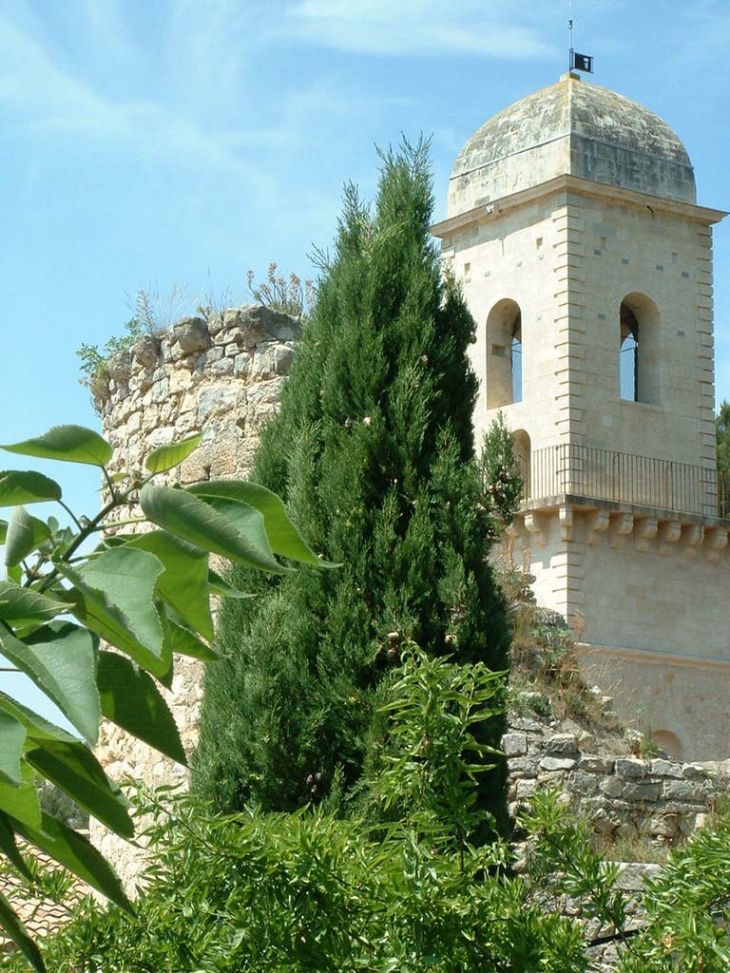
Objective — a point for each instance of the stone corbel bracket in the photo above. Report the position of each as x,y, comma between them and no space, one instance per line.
534,526
669,535
621,527
565,515
692,538
598,525
646,531
715,542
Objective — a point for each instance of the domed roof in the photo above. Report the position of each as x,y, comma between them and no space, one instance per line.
571,127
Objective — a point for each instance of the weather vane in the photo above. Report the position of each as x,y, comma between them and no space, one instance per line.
577,62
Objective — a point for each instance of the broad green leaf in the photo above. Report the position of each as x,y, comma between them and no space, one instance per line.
24,534
60,659
15,574
37,727
82,776
17,932
74,444
10,849
114,596
21,606
130,698
167,457
185,642
184,582
248,521
79,774
76,853
12,738
21,802
26,486
3,531
284,538
219,586
198,523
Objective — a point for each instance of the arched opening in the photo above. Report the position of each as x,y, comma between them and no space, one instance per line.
639,337
504,354
670,743
522,455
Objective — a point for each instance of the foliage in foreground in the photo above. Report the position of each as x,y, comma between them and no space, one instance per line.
374,445
146,594
309,890
312,891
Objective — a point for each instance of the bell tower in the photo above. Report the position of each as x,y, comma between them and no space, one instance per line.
573,224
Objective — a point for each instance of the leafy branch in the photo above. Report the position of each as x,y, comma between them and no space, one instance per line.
146,595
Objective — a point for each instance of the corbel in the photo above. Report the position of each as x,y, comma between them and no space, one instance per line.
669,534
621,524
598,525
565,515
716,541
692,538
646,531
533,525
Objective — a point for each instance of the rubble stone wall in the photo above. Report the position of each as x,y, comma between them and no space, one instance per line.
621,795
221,376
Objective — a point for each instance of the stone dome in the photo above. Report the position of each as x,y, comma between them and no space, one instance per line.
576,128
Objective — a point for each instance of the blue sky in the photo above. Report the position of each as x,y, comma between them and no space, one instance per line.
179,143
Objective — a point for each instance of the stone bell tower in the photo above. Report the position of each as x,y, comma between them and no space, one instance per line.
587,264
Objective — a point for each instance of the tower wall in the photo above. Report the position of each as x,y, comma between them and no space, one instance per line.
223,377
568,259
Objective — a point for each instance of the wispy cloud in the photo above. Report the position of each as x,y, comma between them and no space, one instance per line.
108,29
53,101
414,27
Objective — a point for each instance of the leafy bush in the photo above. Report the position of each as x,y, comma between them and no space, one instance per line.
291,295
309,890
145,594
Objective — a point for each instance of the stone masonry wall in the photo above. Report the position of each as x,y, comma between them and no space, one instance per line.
621,795
222,376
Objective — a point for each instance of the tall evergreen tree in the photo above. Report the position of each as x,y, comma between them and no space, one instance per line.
373,453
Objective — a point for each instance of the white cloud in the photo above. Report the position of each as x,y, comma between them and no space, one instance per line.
52,103
32,86
109,35
414,27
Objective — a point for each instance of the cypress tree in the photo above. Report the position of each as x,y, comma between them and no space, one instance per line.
373,453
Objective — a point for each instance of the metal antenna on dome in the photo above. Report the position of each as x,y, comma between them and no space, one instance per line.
577,62
570,38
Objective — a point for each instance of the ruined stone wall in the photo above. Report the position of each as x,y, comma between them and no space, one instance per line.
622,796
222,377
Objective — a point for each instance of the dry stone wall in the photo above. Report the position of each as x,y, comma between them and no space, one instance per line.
221,376
621,795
